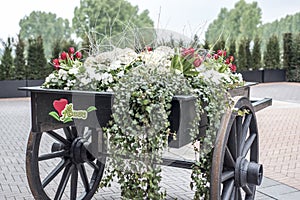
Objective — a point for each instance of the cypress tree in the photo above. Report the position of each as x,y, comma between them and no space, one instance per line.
6,67
256,54
288,55
36,60
241,57
248,54
20,63
272,54
295,64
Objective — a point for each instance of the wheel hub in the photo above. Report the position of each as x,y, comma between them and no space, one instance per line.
248,172
79,151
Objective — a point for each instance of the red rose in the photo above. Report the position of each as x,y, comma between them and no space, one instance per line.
78,54
63,55
56,63
148,48
71,50
227,61
233,67
187,52
216,56
231,58
197,62
221,53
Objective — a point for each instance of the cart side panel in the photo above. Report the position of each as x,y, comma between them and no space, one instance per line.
42,105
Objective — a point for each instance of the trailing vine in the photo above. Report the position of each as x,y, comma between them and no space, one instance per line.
139,130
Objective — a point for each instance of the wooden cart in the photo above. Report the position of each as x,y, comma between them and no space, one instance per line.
72,154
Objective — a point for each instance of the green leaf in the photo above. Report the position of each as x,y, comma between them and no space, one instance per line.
91,108
68,119
54,115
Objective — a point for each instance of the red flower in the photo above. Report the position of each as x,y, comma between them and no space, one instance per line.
231,58
208,55
71,50
63,55
148,48
197,62
216,56
188,52
221,53
232,67
227,61
78,54
56,63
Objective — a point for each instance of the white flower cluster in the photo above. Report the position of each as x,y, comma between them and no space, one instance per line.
64,77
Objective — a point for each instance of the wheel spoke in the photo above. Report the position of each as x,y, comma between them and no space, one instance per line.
247,190
93,165
239,123
228,161
63,182
232,141
227,190
246,125
227,175
52,155
68,133
84,177
58,137
54,172
74,132
238,194
74,181
248,144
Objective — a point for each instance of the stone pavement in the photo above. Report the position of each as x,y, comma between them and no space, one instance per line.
279,127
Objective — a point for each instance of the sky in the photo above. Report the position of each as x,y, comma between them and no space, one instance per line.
181,16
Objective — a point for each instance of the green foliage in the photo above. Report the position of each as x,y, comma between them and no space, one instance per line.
241,57
107,18
6,66
36,61
20,62
294,70
288,55
256,54
240,22
47,25
288,24
272,54
140,129
248,54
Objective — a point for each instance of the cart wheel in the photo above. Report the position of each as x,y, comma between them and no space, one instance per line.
235,169
61,164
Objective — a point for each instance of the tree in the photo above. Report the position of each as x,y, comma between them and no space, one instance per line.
36,60
272,54
295,63
288,55
6,67
248,53
242,60
256,54
108,18
47,25
20,62
240,22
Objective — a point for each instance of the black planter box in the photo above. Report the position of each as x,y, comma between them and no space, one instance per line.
274,75
253,76
9,88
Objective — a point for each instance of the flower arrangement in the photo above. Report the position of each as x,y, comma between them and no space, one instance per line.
66,69
144,83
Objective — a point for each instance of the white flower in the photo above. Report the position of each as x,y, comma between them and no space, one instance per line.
73,71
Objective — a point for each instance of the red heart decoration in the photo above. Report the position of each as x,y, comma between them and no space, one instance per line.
60,105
